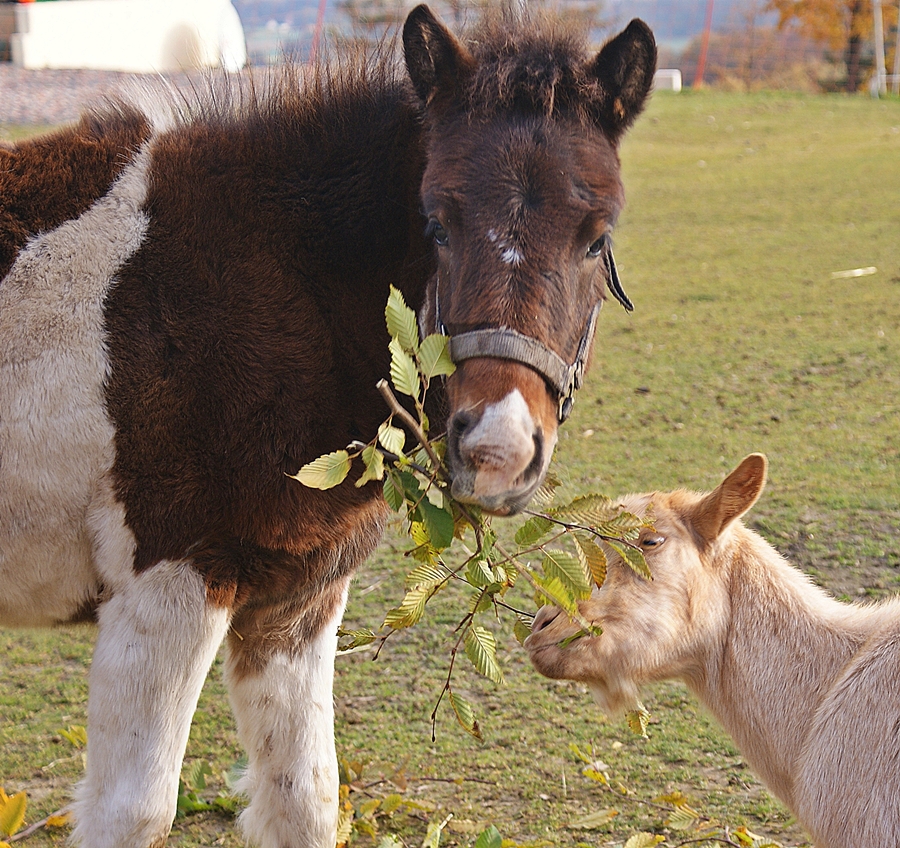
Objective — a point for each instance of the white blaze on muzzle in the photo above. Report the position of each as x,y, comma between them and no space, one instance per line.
500,447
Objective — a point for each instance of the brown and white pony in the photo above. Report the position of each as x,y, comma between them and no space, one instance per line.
191,307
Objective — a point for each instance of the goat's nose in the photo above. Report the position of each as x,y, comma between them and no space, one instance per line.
545,616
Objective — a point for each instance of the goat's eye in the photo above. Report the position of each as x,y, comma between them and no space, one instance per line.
438,232
651,540
597,247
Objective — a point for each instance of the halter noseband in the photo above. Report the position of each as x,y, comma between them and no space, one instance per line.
506,343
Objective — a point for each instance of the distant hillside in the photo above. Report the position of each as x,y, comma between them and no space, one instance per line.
291,23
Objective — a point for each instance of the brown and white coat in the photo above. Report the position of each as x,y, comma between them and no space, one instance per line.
191,307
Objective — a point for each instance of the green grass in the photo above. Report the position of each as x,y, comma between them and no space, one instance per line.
740,209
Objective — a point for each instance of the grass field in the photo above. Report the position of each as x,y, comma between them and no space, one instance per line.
741,209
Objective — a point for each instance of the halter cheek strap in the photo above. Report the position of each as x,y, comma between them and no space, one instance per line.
506,343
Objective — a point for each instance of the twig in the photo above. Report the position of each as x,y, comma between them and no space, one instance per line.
409,421
395,407
575,615
33,828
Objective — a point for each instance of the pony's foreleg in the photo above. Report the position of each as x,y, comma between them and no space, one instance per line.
280,671
158,636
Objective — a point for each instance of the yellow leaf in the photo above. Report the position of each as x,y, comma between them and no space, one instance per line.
59,819
683,817
638,720
76,734
598,819
644,840
12,813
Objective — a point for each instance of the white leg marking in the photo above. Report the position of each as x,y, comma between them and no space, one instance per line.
56,441
285,717
158,637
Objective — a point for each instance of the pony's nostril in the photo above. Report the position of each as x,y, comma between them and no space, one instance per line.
459,423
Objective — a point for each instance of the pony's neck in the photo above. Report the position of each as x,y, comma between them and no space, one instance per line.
785,643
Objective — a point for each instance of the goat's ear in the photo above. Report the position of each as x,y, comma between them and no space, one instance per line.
734,496
435,58
624,68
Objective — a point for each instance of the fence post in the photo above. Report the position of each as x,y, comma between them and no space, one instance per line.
704,45
895,87
880,74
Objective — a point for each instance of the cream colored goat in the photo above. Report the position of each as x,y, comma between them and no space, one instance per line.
808,687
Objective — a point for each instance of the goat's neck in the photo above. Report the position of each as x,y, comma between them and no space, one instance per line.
782,647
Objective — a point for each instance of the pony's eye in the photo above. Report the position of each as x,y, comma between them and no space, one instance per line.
597,247
437,231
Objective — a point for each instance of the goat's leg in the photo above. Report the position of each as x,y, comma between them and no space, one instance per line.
158,636
280,671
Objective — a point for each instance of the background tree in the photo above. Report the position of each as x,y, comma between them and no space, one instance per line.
845,25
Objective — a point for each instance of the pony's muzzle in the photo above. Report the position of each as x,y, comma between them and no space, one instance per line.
497,458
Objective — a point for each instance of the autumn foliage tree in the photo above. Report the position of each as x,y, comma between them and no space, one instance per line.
844,25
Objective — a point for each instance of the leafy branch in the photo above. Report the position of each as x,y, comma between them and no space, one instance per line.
559,551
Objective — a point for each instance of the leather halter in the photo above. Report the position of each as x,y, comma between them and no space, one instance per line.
506,343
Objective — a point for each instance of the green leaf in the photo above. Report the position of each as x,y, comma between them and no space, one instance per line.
521,630
197,773
434,356
427,574
410,610
393,491
12,812
412,491
593,560
556,593
326,471
358,639
391,803
489,838
633,558
482,601
401,321
465,716
589,509
623,522
533,530
404,374
478,573
481,649
570,572
392,438
439,523
374,465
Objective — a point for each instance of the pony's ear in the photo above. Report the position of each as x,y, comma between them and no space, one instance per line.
734,496
435,59
624,67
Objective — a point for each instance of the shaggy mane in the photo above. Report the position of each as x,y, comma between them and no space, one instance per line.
539,65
